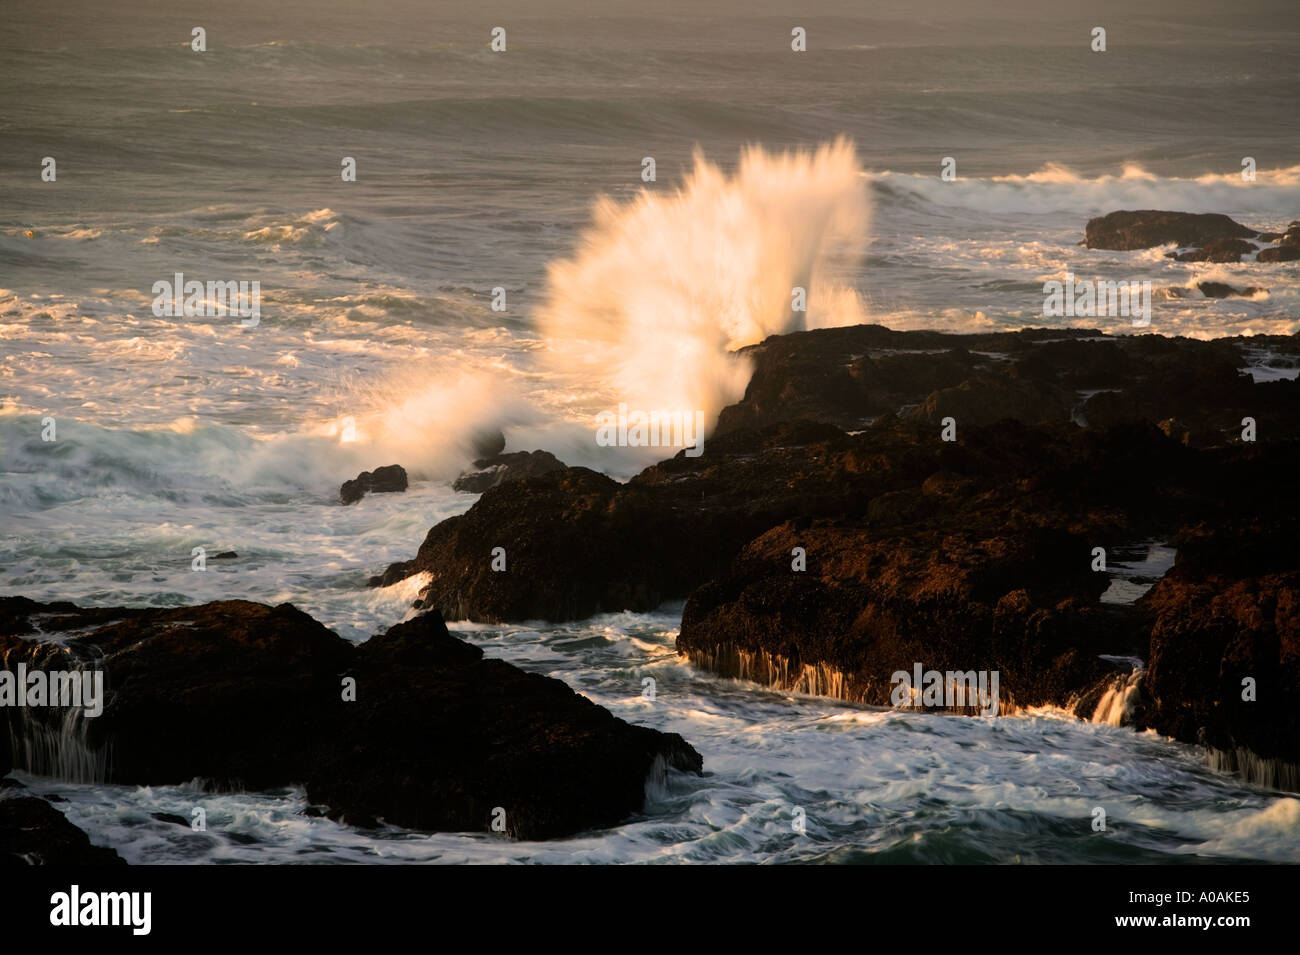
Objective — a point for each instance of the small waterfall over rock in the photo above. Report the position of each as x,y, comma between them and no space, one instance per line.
1115,708
53,740
776,671
1260,770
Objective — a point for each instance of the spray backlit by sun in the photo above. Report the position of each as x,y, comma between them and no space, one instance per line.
663,288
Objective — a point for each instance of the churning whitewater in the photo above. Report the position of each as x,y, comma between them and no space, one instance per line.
505,266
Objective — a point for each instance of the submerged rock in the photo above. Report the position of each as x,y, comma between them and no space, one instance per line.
387,479
1224,290
412,727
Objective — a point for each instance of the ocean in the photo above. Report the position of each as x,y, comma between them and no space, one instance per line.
515,179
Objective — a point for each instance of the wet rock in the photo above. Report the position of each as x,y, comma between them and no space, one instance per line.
440,737
1216,250
1224,666
251,697
497,469
568,551
32,832
851,376
973,554
1224,290
387,479
577,543
170,817
1147,228
1281,253
393,574
1290,237
868,605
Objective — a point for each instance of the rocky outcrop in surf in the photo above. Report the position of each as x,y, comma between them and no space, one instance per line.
829,535
1224,290
386,480
1147,228
1201,237
499,468
836,423
413,727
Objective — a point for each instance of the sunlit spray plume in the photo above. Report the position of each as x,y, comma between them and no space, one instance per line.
664,287
646,315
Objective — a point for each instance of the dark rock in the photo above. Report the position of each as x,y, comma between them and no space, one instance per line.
1282,253
971,554
851,376
986,399
1023,604
32,832
172,818
390,478
1223,290
1230,611
1216,250
1147,228
248,696
491,471
1204,237
224,555
1290,237
566,537
439,737
578,543
394,574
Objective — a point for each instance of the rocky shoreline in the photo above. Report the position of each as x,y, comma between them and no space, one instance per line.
979,553
877,501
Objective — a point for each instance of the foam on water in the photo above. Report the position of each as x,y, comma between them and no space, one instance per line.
378,344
